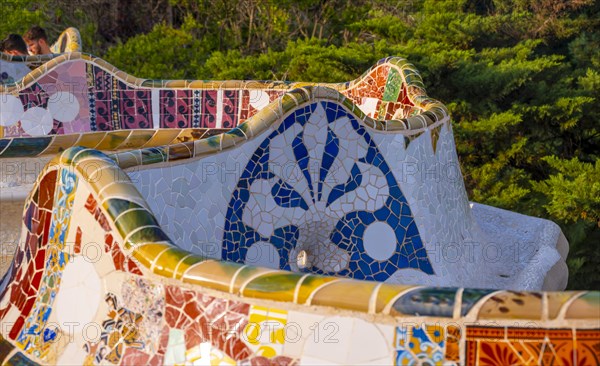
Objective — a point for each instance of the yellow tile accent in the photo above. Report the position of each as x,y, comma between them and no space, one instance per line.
203,148
347,294
175,259
556,300
90,139
121,190
245,274
60,143
146,254
162,137
113,140
585,307
386,294
309,285
137,138
228,140
512,305
129,159
279,286
211,273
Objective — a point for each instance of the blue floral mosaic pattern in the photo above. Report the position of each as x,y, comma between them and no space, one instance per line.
317,183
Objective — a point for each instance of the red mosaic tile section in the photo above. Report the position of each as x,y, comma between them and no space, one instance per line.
135,107
92,206
176,107
134,357
230,108
371,86
120,260
208,115
77,246
245,106
403,97
29,261
208,319
517,346
158,357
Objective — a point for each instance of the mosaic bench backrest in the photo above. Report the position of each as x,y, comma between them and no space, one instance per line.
77,93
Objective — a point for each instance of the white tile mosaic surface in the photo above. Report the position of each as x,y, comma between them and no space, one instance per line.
292,208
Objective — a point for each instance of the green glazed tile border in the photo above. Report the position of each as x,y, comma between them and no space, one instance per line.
275,286
129,221
115,206
26,146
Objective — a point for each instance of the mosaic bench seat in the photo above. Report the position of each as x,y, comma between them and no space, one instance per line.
318,231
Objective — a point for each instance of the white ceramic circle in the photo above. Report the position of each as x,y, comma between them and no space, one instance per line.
37,121
79,294
379,241
258,99
262,254
64,106
11,109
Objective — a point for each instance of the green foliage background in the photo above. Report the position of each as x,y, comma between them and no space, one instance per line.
520,77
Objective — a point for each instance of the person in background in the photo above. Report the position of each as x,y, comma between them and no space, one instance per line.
37,41
14,45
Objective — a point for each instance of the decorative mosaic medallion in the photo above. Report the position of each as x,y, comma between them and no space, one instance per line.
319,186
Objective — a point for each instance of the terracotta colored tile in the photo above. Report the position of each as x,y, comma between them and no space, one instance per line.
77,246
134,357
452,351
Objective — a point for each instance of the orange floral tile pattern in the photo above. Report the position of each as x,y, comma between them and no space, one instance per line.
528,346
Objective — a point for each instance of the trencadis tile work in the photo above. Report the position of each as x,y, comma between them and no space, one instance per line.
304,235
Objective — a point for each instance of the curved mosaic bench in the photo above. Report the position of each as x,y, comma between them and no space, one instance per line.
97,277
68,41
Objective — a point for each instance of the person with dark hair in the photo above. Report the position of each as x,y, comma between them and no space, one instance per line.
37,41
14,45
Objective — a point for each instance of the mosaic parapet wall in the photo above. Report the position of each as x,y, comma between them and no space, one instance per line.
97,280
77,99
77,93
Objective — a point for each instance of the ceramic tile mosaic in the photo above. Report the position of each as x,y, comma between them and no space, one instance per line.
75,93
528,346
252,246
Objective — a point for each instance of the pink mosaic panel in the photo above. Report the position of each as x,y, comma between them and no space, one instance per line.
176,108
208,116
230,108
135,108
